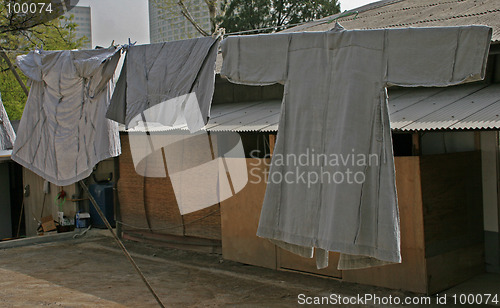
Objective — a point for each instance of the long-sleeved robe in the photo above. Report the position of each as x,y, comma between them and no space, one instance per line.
335,114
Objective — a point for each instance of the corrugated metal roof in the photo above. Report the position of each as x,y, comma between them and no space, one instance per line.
470,106
401,117
256,116
415,13
473,106
236,117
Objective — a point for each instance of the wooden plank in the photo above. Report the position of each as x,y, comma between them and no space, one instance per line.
240,218
409,191
34,203
453,219
454,267
477,140
291,261
416,149
411,273
452,201
272,142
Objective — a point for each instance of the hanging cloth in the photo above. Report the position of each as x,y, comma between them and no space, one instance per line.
342,195
63,132
168,83
7,134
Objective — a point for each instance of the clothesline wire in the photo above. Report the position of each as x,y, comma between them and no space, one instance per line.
319,21
267,28
225,35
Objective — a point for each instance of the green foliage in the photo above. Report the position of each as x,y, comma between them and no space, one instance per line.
57,34
13,96
242,15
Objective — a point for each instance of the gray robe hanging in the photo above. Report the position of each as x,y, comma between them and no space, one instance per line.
63,132
334,109
7,135
167,83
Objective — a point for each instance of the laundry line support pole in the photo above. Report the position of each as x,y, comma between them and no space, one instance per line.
13,70
119,242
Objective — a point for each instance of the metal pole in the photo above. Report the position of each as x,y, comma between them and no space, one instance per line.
119,242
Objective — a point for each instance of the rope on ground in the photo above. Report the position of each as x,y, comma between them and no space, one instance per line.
82,233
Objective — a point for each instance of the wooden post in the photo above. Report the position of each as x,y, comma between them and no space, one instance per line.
477,141
416,149
272,142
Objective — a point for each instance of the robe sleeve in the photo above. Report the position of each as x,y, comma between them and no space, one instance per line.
90,62
256,59
436,56
30,65
98,65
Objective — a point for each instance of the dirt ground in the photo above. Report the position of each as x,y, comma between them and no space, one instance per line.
93,272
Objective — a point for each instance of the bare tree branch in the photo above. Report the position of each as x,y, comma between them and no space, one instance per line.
185,12
212,10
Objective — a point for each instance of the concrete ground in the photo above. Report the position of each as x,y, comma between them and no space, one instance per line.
92,272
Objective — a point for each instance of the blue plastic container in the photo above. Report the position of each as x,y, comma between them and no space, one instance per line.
103,195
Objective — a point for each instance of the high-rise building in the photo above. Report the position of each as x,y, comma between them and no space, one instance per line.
166,23
83,20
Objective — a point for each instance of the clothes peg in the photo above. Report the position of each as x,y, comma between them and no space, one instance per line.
130,43
219,32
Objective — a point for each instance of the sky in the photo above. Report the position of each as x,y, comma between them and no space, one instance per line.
120,20
352,4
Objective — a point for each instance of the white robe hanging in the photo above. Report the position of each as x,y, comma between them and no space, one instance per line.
335,104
